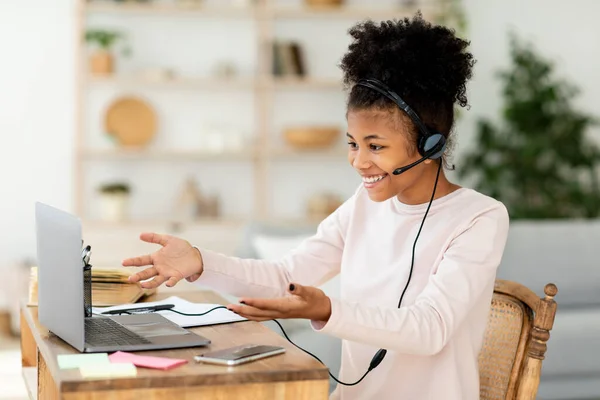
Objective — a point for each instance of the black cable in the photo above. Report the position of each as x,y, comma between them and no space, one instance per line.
195,315
280,327
412,262
318,359
175,311
380,355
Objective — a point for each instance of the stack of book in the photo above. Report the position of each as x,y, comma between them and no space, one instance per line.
110,286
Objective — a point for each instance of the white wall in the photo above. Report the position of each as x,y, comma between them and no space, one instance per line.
36,116
37,93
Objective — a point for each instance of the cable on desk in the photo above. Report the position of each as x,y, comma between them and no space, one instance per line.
284,334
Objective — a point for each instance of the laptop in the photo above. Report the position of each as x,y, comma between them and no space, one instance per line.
61,297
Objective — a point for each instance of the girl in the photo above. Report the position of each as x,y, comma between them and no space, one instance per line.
417,255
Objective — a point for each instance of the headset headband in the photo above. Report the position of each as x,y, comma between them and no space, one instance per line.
390,94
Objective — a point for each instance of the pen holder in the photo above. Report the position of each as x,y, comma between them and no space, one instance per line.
87,290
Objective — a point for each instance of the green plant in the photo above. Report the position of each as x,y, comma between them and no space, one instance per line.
115,188
538,161
105,39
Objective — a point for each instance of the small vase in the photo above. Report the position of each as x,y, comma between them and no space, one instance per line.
114,206
101,63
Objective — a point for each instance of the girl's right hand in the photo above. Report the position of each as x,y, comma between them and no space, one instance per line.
177,259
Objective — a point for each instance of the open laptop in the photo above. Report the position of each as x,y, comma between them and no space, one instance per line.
61,297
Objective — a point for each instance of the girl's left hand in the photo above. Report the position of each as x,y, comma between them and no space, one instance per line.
306,302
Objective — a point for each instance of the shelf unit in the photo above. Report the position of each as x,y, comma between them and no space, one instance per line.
263,86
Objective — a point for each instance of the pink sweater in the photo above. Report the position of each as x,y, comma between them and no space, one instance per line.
434,339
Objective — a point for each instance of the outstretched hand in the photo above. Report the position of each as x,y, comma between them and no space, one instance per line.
177,259
306,302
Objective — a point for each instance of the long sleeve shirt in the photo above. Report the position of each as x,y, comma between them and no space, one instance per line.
434,338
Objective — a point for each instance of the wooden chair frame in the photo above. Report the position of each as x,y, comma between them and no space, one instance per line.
538,321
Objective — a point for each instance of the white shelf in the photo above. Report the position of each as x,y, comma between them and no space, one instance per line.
159,223
304,83
343,12
276,83
289,153
174,224
166,10
189,155
265,88
208,83
166,155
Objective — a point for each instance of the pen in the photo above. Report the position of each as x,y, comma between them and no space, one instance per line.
160,307
86,259
85,251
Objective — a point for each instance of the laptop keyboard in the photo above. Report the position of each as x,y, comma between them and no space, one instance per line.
106,332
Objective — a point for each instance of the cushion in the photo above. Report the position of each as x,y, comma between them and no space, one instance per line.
273,247
247,247
560,252
582,387
574,344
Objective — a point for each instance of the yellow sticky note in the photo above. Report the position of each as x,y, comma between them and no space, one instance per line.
108,370
66,361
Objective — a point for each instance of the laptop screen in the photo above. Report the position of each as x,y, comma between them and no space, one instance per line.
60,274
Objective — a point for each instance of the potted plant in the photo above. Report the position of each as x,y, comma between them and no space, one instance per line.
539,161
102,58
114,201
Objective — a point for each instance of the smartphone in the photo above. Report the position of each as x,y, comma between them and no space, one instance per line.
239,354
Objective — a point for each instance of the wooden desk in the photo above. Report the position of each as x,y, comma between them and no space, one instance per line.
293,375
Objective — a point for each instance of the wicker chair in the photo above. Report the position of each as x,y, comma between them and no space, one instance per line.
510,361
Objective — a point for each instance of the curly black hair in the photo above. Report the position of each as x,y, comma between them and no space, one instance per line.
426,64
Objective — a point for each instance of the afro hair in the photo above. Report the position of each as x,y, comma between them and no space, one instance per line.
427,65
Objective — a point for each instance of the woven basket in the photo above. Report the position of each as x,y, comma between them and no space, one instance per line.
131,120
311,137
322,3
321,205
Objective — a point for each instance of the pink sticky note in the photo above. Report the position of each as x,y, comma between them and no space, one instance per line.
145,361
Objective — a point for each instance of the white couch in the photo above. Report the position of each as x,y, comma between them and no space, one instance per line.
561,252
564,253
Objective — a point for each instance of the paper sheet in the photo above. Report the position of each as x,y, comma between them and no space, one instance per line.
67,361
163,363
220,316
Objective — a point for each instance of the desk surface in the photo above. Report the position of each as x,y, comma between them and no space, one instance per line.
294,365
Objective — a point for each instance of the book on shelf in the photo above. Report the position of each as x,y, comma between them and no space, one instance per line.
288,59
110,286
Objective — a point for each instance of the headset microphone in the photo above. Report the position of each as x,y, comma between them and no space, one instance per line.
400,170
431,152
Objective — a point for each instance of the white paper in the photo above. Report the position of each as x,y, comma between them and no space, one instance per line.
219,316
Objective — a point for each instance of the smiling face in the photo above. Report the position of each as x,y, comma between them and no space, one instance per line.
378,143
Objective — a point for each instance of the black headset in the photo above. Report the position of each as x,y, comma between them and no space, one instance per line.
430,144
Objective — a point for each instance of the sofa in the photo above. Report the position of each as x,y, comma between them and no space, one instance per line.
561,252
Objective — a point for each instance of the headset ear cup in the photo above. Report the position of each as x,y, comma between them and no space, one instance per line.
436,142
